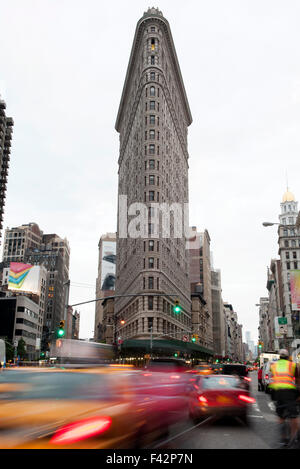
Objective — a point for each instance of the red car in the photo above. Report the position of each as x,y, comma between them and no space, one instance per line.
219,396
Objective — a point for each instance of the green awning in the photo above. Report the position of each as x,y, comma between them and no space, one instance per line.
161,344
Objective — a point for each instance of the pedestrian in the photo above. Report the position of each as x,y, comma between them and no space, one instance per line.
285,394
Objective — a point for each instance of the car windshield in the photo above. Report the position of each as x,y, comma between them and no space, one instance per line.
220,382
54,385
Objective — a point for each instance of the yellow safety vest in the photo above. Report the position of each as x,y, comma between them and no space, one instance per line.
283,375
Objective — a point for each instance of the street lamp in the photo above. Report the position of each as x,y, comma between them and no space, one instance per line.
268,223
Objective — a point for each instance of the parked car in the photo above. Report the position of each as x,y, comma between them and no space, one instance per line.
219,396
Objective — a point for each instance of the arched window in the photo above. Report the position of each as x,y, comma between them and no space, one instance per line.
152,91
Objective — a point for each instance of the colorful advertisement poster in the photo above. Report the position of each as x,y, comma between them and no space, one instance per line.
108,265
24,278
295,289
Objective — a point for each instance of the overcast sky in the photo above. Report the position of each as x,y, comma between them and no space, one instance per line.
62,69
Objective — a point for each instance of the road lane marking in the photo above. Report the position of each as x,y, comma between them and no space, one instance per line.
182,433
271,406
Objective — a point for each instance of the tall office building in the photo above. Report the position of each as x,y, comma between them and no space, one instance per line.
153,120
105,282
200,278
6,129
28,244
289,252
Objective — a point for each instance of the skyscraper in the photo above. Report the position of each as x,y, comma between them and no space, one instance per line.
6,129
152,120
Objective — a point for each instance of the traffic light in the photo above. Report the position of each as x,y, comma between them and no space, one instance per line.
61,329
260,344
193,338
122,322
42,355
175,354
177,307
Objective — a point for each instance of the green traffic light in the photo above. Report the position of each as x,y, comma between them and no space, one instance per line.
176,309
175,354
193,339
60,333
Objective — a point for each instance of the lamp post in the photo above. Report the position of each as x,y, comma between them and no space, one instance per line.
268,223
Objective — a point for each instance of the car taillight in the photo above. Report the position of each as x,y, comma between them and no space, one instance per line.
267,376
202,400
247,379
80,430
248,399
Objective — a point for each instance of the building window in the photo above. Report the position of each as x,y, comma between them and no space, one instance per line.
152,43
151,180
152,76
151,245
152,91
151,262
152,120
152,105
152,134
151,164
152,61
150,283
151,149
287,255
150,303
151,196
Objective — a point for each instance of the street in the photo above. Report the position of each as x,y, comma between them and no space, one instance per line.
260,433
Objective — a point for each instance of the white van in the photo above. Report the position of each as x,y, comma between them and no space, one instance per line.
266,376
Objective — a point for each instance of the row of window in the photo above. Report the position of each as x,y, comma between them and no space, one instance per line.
292,265
22,332
23,309
292,243
294,254
26,323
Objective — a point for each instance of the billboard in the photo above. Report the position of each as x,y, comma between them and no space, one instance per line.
108,265
295,289
24,278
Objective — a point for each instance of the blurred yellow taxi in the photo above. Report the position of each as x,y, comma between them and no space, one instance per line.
72,408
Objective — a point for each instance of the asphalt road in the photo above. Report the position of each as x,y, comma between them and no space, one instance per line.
260,433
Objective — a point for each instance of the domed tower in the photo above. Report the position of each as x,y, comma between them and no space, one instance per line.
289,209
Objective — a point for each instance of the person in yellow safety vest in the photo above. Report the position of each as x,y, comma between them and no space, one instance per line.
285,394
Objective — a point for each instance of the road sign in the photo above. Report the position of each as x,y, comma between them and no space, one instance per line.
185,338
120,341
16,343
282,320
